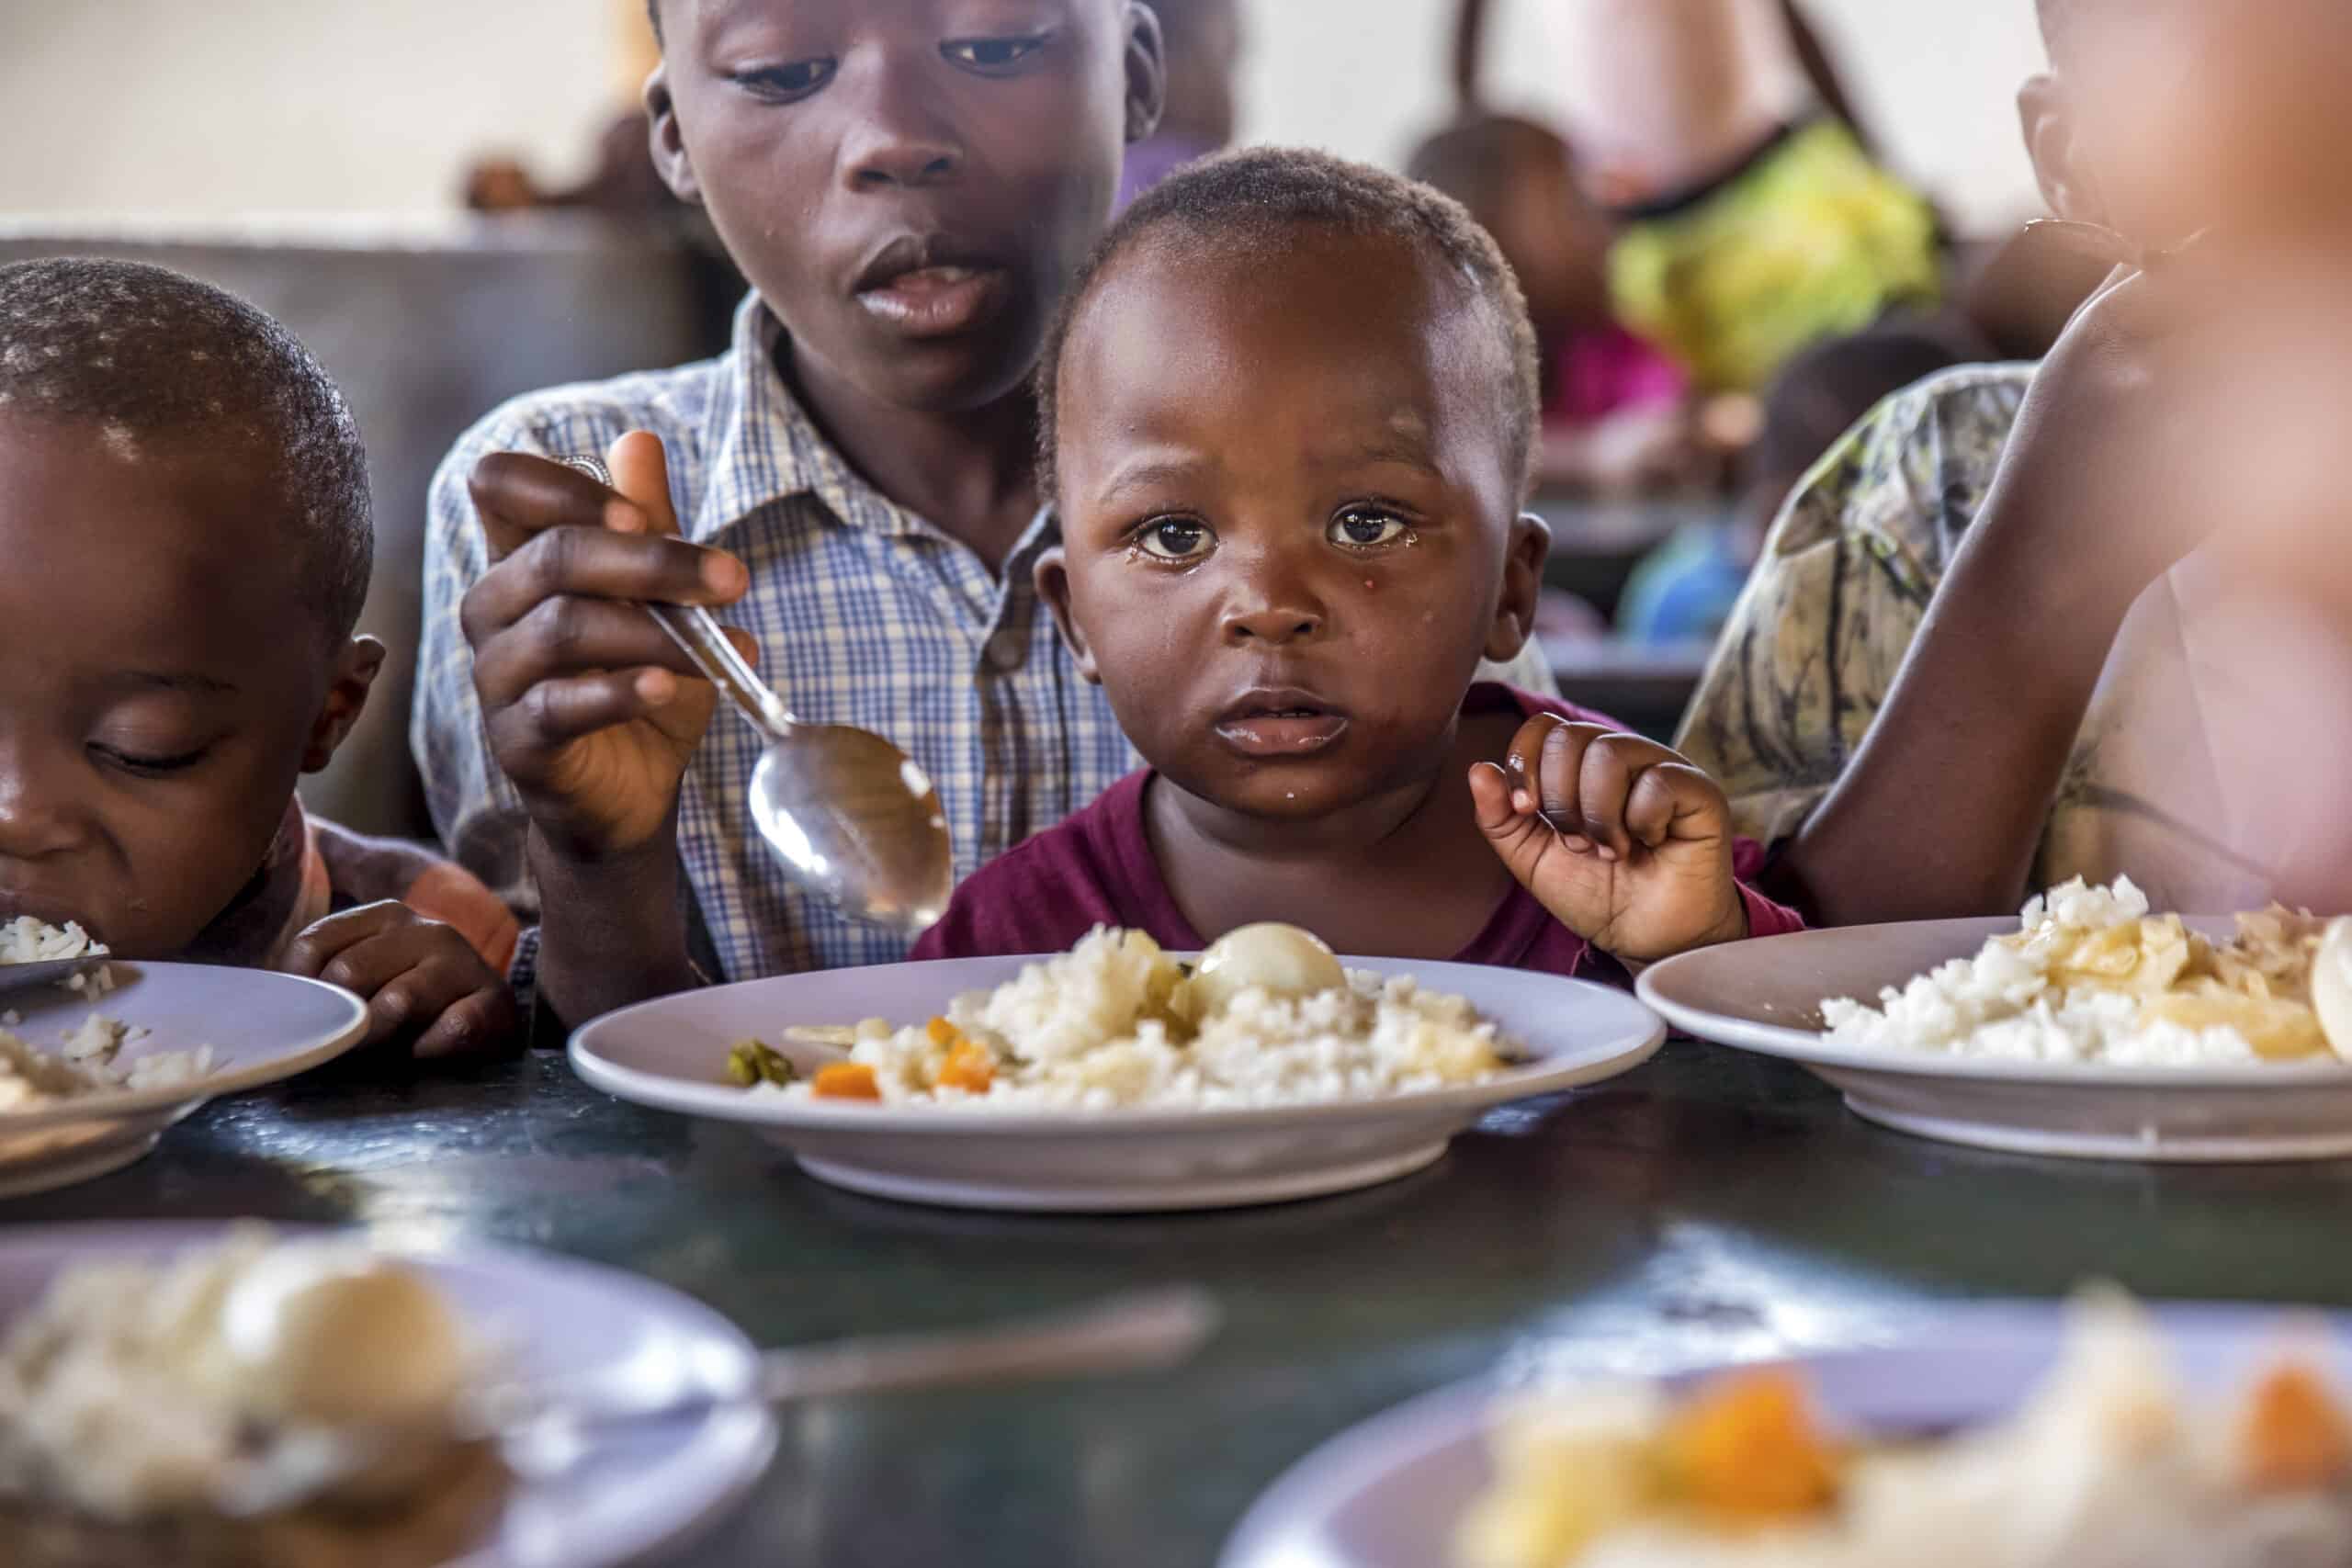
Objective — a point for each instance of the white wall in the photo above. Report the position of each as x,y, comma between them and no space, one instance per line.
211,108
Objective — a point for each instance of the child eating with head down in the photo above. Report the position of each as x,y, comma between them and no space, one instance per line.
183,513
1288,416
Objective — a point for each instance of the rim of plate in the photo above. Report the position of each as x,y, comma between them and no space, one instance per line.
724,1103
140,1103
1812,1047
1373,1450
153,1237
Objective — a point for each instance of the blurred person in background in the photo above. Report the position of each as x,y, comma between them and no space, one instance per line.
2091,619
1684,591
1202,39
1615,412
1754,221
624,183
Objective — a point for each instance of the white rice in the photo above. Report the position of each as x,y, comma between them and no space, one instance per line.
89,1062
27,940
1100,1028
86,1060
2004,1003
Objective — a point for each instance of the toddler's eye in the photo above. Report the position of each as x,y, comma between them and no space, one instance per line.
1363,529
992,53
1173,539
785,83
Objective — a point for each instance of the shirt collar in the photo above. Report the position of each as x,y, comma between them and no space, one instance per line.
765,447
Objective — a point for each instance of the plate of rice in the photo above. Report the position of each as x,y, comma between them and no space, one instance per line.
1117,1076
2090,1027
94,1070
2099,1435
139,1363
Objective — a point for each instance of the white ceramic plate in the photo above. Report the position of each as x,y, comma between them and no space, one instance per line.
1766,997
1387,1493
671,1054
628,1491
262,1027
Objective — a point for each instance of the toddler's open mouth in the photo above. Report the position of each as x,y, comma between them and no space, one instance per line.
1280,723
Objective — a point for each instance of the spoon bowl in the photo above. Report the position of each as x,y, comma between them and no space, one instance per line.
855,821
850,817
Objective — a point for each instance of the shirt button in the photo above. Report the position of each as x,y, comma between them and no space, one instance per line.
1007,651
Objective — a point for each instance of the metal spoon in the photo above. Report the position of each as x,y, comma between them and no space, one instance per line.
46,972
1129,1333
848,815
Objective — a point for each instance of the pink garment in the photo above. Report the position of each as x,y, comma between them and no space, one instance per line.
1097,869
1610,371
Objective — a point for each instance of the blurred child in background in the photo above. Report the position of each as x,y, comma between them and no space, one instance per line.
1684,591
1202,39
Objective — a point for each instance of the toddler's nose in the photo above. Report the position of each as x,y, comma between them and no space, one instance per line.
1274,623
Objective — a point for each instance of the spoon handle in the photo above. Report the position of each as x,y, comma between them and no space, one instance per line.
1134,1332
698,631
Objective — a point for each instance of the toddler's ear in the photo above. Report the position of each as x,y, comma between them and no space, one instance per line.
356,668
1053,586
1530,543
670,155
2067,183
1147,59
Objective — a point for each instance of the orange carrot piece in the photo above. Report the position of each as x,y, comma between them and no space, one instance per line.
1749,1451
2297,1439
846,1080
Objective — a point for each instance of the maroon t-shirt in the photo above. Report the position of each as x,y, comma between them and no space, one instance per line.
1097,869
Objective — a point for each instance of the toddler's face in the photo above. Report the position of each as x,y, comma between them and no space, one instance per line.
1288,501
161,686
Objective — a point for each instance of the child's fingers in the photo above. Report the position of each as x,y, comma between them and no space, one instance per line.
472,1021
1650,807
641,472
1490,799
597,563
1560,781
569,635
519,495
1524,758
554,713
1606,766
371,969
323,942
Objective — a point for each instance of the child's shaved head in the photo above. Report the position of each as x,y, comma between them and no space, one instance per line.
1257,201
165,368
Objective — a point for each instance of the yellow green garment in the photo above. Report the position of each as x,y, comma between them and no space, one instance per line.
1846,576
1810,240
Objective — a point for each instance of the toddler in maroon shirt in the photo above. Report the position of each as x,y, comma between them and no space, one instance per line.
1287,417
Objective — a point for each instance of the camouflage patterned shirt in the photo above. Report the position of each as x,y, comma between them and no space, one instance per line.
1815,640
2184,774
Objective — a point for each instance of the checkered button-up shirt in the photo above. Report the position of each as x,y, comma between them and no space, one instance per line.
865,615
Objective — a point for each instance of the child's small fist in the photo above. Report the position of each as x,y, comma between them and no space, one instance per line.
427,991
1625,842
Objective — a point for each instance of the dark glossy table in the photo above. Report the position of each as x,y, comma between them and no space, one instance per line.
1709,1203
